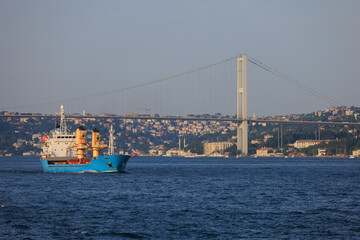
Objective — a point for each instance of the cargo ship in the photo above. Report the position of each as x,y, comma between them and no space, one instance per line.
64,151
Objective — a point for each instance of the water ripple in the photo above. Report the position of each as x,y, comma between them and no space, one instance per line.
175,198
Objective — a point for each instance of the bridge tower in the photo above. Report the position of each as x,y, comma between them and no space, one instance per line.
242,131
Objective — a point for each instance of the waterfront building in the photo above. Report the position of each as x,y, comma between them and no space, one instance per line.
212,147
156,152
321,152
175,152
265,152
356,153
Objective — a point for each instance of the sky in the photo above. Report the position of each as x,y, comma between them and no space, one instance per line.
54,50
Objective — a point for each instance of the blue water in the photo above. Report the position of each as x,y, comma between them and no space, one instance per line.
183,198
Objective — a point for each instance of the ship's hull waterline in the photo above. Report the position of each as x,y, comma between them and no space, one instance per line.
101,164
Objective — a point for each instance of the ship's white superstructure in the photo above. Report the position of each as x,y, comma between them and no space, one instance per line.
58,144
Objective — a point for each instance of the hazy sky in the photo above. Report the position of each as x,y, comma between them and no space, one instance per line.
52,50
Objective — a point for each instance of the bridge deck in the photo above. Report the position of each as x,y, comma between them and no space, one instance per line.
187,119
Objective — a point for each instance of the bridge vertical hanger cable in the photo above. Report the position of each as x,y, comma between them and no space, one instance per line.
138,102
210,99
228,88
181,95
177,96
193,95
198,91
157,92
112,104
92,105
203,90
232,76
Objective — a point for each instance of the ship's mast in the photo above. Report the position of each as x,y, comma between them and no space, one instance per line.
111,141
63,128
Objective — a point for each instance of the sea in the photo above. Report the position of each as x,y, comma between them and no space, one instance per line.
184,198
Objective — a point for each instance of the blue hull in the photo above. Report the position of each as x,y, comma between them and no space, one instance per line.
109,163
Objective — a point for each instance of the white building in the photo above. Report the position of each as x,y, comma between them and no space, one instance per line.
308,143
265,152
210,148
322,152
356,153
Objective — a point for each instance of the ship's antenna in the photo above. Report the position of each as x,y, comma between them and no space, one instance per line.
111,141
63,128
55,120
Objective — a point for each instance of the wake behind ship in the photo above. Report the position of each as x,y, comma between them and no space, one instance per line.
68,152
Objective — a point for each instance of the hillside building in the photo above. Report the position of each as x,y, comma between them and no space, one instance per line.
308,143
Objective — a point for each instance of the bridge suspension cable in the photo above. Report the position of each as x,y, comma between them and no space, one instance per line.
178,76
121,89
293,81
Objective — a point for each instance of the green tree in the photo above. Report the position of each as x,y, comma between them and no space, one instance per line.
233,152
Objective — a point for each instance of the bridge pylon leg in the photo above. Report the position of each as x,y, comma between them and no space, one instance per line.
242,131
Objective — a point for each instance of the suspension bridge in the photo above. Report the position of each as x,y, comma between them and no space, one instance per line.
189,94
